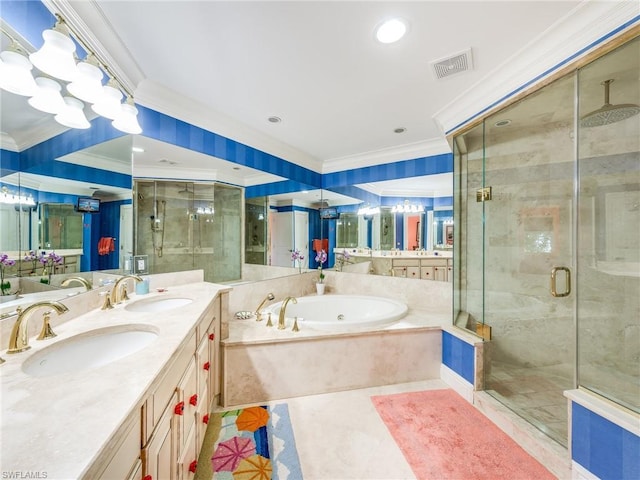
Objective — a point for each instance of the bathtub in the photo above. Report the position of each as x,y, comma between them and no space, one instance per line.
342,312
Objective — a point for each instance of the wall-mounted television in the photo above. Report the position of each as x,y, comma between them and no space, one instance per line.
329,212
88,205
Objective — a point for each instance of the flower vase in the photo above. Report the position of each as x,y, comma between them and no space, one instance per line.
320,288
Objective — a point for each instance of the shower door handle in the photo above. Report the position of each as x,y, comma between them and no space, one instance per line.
554,281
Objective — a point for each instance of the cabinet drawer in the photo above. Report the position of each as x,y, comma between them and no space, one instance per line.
203,366
202,420
433,262
426,273
413,272
158,401
407,262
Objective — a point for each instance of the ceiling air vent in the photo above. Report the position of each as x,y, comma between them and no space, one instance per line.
457,63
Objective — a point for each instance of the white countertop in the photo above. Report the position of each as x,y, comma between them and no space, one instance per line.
58,425
394,254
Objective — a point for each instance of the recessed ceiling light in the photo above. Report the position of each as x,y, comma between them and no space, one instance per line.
137,149
399,130
274,119
502,123
391,30
236,168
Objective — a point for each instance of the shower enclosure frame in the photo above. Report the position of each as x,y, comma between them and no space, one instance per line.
580,214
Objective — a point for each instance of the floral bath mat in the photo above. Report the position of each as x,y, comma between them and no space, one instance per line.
256,443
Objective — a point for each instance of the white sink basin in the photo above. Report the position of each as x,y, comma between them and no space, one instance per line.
157,304
89,350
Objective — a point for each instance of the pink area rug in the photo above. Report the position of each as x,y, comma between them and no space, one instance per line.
442,436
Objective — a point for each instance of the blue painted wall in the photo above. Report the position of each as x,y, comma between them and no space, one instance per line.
459,356
605,449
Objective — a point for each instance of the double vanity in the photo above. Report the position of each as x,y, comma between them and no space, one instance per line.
119,393
418,264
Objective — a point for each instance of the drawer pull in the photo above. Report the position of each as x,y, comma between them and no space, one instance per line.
192,466
179,408
205,419
194,399
212,336
207,366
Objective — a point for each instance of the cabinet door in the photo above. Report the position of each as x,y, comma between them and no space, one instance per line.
440,274
202,420
203,365
189,457
188,398
160,453
426,273
413,272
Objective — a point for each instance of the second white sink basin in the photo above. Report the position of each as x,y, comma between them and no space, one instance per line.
157,304
89,350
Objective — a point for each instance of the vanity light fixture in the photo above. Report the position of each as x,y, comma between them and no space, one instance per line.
13,199
56,56
127,118
15,71
407,208
72,115
391,30
57,60
368,211
47,98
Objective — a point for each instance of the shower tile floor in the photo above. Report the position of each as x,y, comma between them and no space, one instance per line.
536,394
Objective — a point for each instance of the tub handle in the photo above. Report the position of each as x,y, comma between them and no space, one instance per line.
554,281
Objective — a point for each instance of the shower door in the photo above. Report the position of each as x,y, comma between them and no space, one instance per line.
528,259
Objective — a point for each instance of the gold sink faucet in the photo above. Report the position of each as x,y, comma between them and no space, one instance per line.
67,281
281,325
19,340
119,292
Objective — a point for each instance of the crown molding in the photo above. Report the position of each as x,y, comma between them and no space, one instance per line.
427,148
554,48
87,20
8,143
99,161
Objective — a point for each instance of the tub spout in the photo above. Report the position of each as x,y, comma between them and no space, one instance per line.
281,325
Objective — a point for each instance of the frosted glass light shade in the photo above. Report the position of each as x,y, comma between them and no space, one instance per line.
87,85
127,120
47,97
15,74
55,58
72,114
109,105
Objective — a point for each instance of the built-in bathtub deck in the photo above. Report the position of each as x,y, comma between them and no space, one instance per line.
263,363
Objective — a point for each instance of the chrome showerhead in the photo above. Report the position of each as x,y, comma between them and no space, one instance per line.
608,113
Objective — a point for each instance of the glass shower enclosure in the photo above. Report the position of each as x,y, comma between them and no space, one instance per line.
185,226
547,271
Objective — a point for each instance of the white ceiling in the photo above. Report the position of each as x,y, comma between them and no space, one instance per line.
229,65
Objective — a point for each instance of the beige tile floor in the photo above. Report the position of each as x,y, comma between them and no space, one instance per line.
340,436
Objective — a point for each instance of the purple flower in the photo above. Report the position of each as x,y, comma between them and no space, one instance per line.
321,257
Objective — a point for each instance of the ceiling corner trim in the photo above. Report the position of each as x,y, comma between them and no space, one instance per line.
584,29
89,22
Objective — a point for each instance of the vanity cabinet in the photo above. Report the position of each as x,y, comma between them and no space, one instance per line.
162,438
423,268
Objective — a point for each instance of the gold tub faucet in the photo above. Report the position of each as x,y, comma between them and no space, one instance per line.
67,281
268,298
119,292
281,325
19,340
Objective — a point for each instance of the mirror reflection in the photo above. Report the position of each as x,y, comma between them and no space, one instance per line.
82,207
